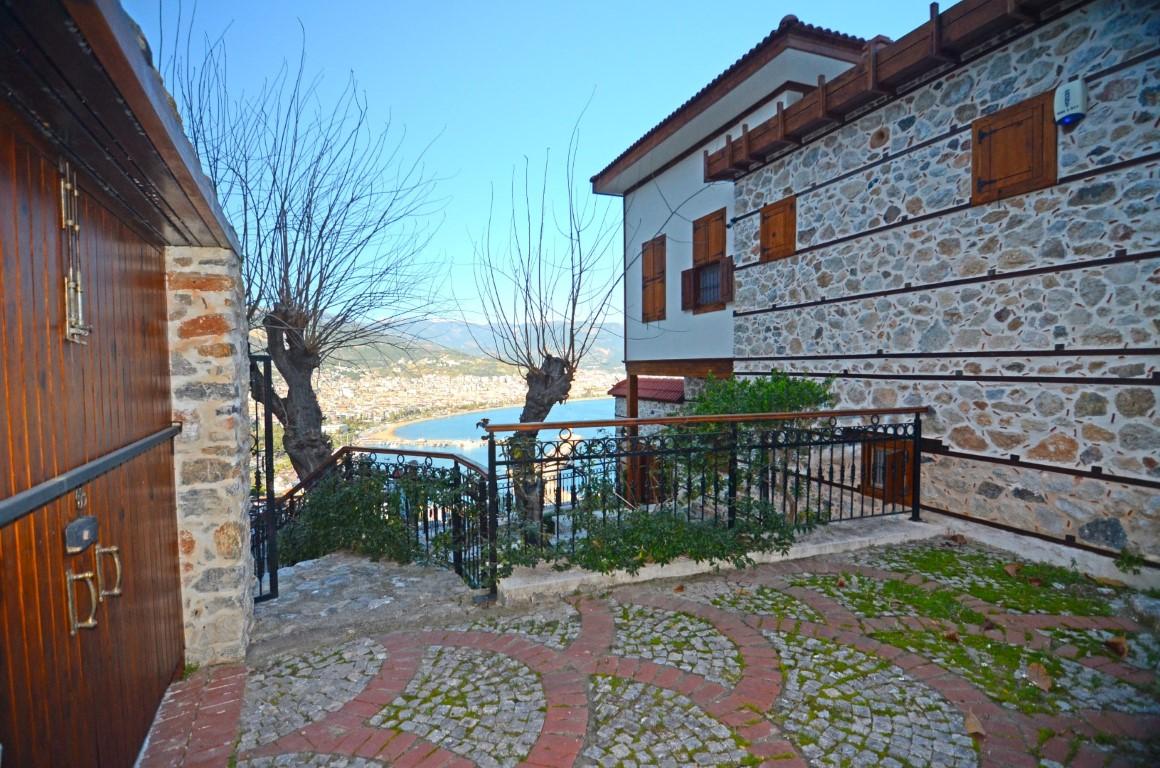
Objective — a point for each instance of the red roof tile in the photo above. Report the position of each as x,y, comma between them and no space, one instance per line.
662,390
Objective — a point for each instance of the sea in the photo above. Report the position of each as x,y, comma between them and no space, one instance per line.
460,434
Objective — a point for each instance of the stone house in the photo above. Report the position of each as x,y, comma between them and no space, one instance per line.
124,439
916,225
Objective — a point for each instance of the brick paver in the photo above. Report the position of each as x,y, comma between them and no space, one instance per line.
805,683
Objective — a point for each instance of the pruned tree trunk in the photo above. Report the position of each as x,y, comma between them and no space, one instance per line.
298,410
548,384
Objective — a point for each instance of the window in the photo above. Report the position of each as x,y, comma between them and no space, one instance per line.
652,270
1013,151
708,286
887,469
779,229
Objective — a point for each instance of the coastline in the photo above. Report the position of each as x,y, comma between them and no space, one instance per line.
386,433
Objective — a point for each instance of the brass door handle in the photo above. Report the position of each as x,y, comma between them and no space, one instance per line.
91,622
115,551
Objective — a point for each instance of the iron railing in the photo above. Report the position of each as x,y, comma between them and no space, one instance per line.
548,495
547,491
439,497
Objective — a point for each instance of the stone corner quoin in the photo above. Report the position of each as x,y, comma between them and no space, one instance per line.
208,379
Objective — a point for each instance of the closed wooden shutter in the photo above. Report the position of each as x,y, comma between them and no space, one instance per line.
779,229
709,238
1014,151
726,280
689,290
653,280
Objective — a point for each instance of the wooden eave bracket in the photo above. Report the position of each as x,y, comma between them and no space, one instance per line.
934,31
872,84
737,152
782,135
1018,9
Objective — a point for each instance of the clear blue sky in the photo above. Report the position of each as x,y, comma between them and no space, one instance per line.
500,80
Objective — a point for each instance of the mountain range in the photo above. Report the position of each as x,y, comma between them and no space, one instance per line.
454,342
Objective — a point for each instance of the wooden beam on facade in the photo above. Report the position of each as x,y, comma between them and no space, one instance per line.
720,367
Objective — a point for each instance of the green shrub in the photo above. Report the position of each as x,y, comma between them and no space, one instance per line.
362,513
775,393
611,536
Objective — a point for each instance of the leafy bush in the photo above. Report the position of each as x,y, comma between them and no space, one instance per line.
611,536
360,513
775,393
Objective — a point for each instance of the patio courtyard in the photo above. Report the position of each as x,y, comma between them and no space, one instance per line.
937,652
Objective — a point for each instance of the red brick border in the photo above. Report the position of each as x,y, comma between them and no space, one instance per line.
197,723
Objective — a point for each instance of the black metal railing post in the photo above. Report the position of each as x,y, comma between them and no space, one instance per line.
271,504
732,487
916,469
492,516
457,522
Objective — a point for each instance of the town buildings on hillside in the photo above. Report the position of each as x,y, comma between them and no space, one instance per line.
909,218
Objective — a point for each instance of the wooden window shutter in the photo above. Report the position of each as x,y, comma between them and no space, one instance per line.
700,241
716,235
688,290
653,280
1014,151
779,229
726,280
709,238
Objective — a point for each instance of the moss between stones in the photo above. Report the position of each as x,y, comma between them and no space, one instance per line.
1036,587
1000,677
870,597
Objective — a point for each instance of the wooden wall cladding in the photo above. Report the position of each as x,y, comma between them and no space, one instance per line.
88,698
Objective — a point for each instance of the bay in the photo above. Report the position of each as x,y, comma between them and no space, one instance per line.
459,434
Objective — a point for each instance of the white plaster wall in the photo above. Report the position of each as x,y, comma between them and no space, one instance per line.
669,203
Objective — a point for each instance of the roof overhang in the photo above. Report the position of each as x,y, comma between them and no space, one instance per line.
747,83
77,70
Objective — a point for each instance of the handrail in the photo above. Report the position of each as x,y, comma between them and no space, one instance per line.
18,505
725,418
345,450
432,454
315,475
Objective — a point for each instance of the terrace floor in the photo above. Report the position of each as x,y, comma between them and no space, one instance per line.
932,653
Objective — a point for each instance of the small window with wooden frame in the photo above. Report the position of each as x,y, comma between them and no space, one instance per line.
887,470
1013,151
779,229
708,286
652,270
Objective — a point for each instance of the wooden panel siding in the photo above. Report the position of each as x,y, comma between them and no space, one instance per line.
89,698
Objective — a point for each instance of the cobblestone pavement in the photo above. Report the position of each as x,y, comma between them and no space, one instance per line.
892,657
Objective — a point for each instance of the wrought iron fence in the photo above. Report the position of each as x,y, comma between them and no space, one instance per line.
558,498
550,494
439,499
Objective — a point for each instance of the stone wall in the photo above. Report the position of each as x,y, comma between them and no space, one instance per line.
1026,323
209,371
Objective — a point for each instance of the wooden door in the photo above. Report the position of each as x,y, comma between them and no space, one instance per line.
83,697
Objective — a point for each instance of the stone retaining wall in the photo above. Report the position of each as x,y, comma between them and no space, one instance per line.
209,371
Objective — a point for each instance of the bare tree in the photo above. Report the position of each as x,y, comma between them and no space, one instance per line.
329,215
545,282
